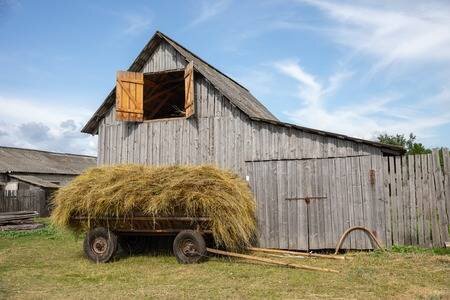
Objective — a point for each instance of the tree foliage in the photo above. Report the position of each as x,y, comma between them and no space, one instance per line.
407,143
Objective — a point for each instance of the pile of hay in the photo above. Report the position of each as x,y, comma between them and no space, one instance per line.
192,191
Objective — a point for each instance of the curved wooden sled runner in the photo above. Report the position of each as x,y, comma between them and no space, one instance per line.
364,229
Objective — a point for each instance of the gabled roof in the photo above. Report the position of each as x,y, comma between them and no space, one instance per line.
236,93
19,160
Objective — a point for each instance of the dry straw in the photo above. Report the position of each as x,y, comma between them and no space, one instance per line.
192,191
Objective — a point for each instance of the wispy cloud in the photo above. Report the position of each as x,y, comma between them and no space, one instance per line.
399,32
210,9
136,23
365,118
25,123
311,90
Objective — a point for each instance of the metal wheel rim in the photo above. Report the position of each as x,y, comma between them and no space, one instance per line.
188,247
99,245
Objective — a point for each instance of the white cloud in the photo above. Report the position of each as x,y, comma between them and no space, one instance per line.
364,119
136,24
394,32
310,89
210,9
23,123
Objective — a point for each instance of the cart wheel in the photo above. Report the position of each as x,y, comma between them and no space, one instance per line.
100,245
189,247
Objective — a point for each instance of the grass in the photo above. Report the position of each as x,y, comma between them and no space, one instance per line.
49,263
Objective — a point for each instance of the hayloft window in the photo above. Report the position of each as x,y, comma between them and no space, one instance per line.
159,95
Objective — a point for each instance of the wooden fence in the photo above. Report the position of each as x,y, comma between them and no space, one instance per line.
403,200
34,200
417,189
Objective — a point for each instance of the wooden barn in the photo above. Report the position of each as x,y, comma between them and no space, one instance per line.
172,107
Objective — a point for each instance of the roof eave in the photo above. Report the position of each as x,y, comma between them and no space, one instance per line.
385,148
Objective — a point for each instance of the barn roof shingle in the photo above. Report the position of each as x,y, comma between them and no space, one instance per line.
19,160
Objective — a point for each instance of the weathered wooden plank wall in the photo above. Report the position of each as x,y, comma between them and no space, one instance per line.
418,193
403,200
350,199
32,200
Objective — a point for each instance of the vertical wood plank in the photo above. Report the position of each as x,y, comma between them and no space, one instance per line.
387,201
406,202
293,180
419,197
282,204
412,198
426,200
399,198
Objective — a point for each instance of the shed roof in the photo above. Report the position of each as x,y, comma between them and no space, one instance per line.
19,160
35,181
232,90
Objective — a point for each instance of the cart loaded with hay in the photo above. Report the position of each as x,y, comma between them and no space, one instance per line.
118,205
115,205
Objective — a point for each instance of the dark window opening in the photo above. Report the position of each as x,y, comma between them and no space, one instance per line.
164,95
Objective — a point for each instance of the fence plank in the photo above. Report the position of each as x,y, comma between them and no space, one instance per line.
412,201
368,203
387,201
426,200
435,230
440,214
399,191
394,201
419,197
446,158
379,214
406,201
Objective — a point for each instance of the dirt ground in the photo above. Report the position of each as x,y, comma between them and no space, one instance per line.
50,264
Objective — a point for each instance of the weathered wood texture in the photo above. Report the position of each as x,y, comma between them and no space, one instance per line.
402,200
25,200
220,134
189,102
346,198
418,192
129,96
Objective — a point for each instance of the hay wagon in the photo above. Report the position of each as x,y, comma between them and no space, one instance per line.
108,233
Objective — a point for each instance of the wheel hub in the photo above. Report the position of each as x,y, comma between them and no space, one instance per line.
188,248
99,245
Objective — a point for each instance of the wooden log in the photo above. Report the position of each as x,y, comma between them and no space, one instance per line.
34,213
269,261
20,227
297,253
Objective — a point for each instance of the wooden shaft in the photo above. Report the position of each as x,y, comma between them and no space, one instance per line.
269,261
296,253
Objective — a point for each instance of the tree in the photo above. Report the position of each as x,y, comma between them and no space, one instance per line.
400,140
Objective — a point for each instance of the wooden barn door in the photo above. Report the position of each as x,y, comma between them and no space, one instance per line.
308,204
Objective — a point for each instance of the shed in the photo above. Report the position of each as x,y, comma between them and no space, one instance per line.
172,107
28,177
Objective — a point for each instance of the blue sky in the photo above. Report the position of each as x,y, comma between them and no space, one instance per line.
355,67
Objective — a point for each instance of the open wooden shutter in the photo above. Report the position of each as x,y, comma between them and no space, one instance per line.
189,90
130,96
